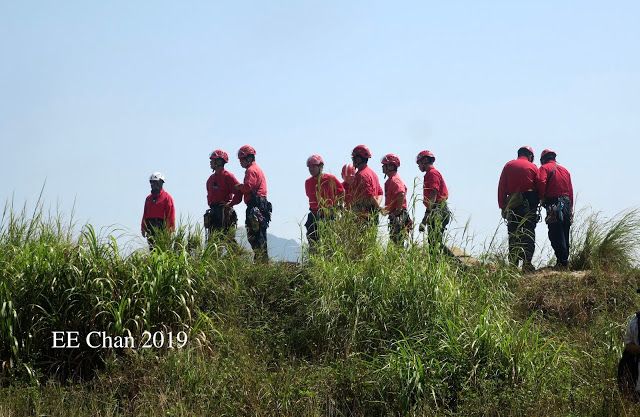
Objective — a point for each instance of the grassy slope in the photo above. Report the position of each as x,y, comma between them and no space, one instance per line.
391,333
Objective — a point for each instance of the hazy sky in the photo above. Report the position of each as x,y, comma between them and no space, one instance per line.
94,96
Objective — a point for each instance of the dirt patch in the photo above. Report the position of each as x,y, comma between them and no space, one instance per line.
464,257
575,296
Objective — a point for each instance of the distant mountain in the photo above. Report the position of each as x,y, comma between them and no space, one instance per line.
279,249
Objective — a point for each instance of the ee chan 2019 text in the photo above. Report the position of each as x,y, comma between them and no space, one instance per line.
101,340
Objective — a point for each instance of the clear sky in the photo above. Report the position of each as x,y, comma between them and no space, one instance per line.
94,96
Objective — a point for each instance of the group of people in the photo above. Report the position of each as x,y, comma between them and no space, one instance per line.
360,192
224,191
522,189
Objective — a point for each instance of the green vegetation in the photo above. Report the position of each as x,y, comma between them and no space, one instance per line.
358,330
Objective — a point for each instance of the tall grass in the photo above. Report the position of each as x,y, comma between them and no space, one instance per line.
608,244
52,282
360,329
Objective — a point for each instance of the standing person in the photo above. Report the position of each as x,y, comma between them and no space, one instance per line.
258,214
159,211
324,192
556,194
366,190
518,202
221,217
629,365
348,175
395,203
435,195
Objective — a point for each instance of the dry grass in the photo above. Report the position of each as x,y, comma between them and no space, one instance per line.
576,296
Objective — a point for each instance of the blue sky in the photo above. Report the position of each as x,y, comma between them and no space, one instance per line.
97,95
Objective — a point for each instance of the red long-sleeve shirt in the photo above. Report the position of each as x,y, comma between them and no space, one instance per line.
365,185
517,176
323,191
558,185
254,181
393,187
220,187
433,181
159,207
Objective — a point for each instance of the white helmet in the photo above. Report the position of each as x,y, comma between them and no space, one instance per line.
157,176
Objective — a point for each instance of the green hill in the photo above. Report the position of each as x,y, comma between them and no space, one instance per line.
358,330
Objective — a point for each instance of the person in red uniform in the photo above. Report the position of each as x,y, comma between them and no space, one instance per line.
254,191
348,175
221,217
324,192
518,202
556,194
435,195
395,203
159,211
366,190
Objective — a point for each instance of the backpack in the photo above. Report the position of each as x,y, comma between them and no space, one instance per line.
628,370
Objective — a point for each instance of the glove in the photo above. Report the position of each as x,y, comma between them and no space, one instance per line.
423,223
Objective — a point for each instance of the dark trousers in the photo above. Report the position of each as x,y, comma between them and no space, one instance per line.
153,227
521,225
256,225
400,225
312,227
559,237
312,223
222,221
437,220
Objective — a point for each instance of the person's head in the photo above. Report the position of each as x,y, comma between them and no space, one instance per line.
315,165
217,159
348,173
547,155
526,151
246,155
425,159
390,163
360,156
156,180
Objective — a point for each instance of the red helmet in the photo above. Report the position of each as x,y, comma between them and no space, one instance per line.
314,159
547,152
348,171
361,151
391,159
424,154
219,153
245,151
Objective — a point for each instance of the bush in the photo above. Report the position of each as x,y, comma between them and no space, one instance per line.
610,245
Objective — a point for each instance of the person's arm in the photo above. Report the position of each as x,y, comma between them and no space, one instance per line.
143,227
502,189
372,193
429,195
237,195
339,188
250,182
397,196
170,215
430,190
209,187
311,191
542,182
570,191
